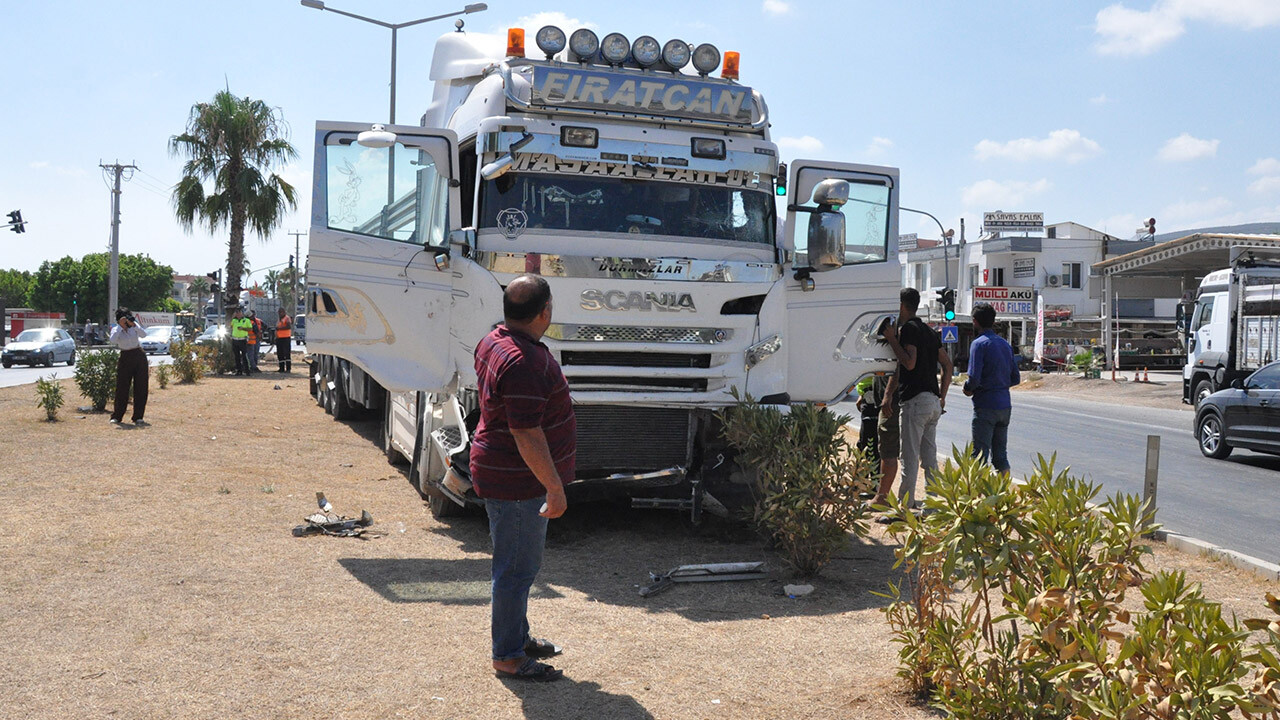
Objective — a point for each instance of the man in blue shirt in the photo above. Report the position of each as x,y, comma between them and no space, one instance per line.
992,371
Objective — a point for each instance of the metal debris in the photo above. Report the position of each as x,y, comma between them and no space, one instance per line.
328,523
712,572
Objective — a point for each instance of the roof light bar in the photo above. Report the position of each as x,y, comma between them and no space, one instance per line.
706,58
675,54
584,44
646,51
551,40
615,48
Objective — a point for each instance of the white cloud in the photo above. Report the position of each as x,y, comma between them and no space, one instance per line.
1265,185
1185,147
879,147
1121,226
1124,31
1265,166
1193,213
776,7
1067,145
990,195
799,145
1099,99
531,23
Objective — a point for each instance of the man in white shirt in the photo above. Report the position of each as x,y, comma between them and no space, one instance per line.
132,368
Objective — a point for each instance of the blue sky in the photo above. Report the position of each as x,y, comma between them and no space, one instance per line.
1098,112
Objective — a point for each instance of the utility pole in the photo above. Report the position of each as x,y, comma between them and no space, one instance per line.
960,271
297,265
113,293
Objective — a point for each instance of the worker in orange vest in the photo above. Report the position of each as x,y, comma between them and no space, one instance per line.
284,339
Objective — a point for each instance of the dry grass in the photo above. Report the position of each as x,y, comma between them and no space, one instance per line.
134,588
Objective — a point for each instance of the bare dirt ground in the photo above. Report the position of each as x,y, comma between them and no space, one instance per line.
150,573
1163,391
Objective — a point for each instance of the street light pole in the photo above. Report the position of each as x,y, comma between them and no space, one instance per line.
394,27
946,235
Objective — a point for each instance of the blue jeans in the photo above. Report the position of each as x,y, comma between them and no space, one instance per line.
991,436
518,533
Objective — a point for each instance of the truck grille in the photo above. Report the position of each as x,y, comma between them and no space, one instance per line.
631,384
630,439
635,359
626,333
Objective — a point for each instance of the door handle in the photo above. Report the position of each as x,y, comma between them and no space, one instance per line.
1264,403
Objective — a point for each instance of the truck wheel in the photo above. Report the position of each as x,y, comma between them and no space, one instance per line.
1204,389
441,506
1210,437
337,405
314,369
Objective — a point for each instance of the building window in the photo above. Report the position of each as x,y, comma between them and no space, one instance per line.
973,276
997,277
1071,276
1051,232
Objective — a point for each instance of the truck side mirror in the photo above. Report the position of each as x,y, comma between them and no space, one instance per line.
826,225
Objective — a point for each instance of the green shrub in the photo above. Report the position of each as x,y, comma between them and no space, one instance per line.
49,396
188,363
219,358
162,375
808,482
1041,631
1083,360
96,376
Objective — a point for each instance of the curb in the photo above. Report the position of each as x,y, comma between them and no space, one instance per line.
1261,568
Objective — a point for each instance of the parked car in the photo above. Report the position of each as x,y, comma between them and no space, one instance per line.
40,346
211,335
160,337
1245,415
300,328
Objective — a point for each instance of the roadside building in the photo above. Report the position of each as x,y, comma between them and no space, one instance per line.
182,289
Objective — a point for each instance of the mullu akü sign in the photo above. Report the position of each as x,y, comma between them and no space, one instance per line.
647,94
1006,300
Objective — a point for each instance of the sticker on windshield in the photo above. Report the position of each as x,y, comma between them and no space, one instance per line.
512,222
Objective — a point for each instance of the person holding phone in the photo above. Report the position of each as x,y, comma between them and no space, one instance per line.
132,368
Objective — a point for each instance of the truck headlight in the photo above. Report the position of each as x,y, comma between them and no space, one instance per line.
615,47
675,54
583,44
706,58
550,40
646,51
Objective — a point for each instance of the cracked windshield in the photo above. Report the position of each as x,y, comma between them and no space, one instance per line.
519,201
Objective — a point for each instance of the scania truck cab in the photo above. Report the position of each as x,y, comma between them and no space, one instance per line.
686,260
1234,326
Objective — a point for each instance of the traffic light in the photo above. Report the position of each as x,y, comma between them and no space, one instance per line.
948,304
75,298
16,223
290,262
780,180
1151,227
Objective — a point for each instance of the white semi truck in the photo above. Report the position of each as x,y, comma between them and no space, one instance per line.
1234,327
685,260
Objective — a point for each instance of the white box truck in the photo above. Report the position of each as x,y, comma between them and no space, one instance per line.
685,259
1234,326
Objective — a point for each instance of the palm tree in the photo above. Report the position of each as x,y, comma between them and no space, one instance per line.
199,286
272,281
232,143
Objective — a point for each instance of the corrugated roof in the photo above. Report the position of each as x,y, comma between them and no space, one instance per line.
1199,252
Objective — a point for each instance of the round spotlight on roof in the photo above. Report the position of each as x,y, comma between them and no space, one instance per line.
551,40
706,58
615,48
646,51
675,54
583,44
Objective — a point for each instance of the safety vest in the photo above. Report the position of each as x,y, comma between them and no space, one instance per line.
284,328
240,328
254,330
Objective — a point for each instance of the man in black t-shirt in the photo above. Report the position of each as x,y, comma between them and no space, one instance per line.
921,399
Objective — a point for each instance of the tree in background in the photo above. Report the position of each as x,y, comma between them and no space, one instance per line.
144,285
200,286
232,144
14,286
272,282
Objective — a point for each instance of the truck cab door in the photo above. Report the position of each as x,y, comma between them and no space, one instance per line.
832,316
379,288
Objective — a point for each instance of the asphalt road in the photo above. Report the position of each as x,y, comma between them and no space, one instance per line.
22,374
1234,503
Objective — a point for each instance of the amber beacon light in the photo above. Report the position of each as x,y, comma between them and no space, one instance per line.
730,71
515,42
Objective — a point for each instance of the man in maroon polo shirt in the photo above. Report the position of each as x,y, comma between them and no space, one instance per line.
522,454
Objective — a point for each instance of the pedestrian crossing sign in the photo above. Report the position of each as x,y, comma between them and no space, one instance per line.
950,334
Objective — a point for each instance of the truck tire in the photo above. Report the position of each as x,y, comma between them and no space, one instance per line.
441,506
1210,438
1204,389
337,404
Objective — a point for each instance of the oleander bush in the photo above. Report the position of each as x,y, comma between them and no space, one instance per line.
219,358
809,478
1012,608
95,375
162,375
188,363
49,396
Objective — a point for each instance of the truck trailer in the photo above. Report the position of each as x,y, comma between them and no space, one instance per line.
686,259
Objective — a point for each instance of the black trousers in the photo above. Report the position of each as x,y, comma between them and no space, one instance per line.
240,348
132,369
284,350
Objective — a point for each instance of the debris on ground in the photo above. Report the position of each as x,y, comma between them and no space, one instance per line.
326,522
711,572
795,591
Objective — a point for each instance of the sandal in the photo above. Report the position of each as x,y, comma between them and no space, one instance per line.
533,670
538,648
